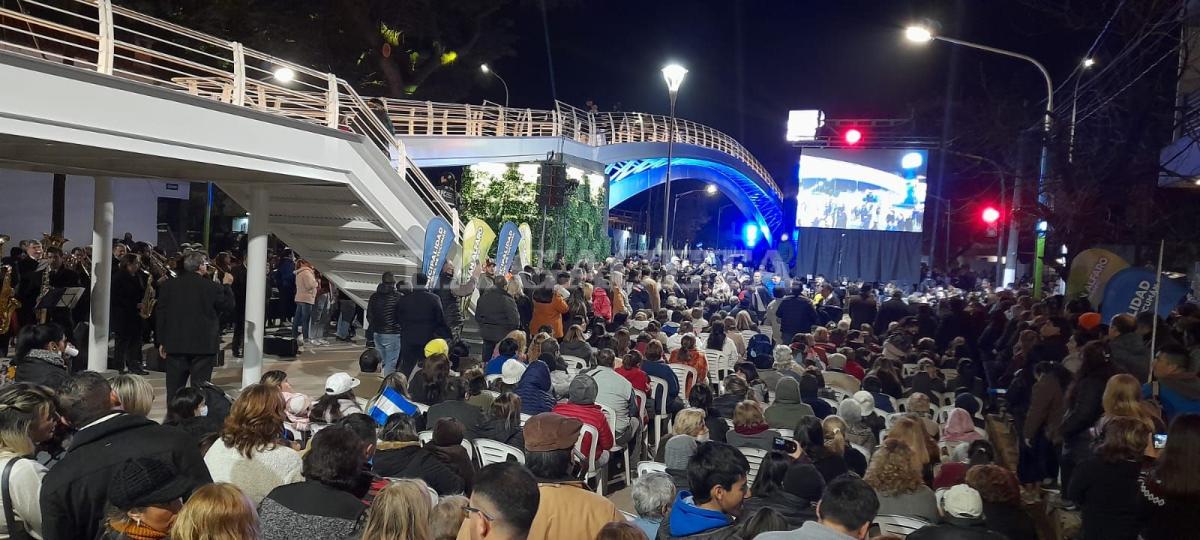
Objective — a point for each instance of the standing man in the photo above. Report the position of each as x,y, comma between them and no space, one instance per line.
796,313
125,320
189,322
421,320
383,317
451,295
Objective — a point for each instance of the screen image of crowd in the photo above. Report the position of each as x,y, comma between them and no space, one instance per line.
868,189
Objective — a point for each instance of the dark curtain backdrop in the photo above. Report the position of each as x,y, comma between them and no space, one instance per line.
872,256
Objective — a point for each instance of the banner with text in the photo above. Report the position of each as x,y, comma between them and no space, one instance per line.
477,240
439,236
506,248
1132,291
1090,271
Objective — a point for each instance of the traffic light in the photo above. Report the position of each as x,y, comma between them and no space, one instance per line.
852,136
991,218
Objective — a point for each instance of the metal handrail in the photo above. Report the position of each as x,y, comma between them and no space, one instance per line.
411,117
125,43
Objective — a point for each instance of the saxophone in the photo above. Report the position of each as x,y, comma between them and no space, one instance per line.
148,299
48,241
8,299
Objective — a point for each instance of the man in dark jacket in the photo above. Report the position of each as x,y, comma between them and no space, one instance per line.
383,317
862,308
962,518
954,324
75,491
421,320
451,295
188,322
399,454
128,290
454,406
1128,350
891,311
796,314
497,315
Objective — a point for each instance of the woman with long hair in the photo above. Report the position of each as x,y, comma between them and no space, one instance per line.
296,405
339,400
688,355
1170,491
1105,486
251,452
40,355
835,429
1084,406
573,343
718,340
399,512
770,490
535,345
925,452
217,511
702,398
428,385
898,484
501,422
28,416
889,379
1123,397
396,381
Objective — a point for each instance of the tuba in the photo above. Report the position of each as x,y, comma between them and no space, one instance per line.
8,299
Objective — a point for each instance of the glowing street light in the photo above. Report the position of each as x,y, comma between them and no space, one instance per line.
285,74
487,70
711,189
1089,62
673,74
918,34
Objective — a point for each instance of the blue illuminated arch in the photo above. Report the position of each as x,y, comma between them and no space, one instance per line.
628,178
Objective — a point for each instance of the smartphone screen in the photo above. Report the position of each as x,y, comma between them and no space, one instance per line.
784,445
1160,440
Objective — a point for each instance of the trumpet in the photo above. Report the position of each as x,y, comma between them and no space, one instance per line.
158,264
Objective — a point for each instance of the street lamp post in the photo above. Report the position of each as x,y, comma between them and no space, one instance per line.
673,74
920,34
717,243
484,68
1083,66
710,189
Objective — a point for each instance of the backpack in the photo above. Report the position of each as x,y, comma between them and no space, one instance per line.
758,351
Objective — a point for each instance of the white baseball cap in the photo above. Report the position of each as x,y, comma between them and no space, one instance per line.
511,371
340,383
961,501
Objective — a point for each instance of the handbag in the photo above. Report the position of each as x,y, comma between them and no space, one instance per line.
16,529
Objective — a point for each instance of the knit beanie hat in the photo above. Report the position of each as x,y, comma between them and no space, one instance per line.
583,390
145,481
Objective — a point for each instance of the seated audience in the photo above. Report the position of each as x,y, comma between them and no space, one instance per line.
501,422
581,405
1001,496
477,394
446,444
962,459
717,477
788,407
770,490
652,494
620,530
534,389
690,431
506,350
40,355
338,401
959,428
898,483
250,452
567,508
654,366
734,391
1105,486
144,496
428,384
750,429
962,518
702,398
918,408
631,369
296,405
504,504
847,509
810,435
324,504
857,431
908,431
1176,384
810,388
217,511
454,406
447,516
134,394
835,430
401,511
687,355
399,454
616,393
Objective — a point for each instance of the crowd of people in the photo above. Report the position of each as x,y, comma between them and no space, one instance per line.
734,403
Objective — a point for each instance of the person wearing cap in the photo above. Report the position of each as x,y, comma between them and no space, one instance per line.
422,319
338,400
962,517
383,317
581,405
73,498
567,508
145,494
511,373
1089,321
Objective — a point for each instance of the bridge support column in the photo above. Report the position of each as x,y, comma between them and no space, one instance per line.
102,237
256,285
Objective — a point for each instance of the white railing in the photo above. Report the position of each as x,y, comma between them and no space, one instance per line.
410,117
96,35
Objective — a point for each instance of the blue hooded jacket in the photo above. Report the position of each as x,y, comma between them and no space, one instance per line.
534,389
688,519
496,365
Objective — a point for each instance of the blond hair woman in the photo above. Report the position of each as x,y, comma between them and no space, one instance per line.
28,415
898,483
218,511
1123,397
134,392
400,512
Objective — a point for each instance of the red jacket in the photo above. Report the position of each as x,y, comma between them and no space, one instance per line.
636,377
592,416
854,369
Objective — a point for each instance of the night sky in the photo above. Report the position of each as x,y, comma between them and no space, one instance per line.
848,58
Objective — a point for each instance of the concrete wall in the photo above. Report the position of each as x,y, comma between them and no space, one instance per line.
25,206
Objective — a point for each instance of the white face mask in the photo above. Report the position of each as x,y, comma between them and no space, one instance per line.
203,411
70,351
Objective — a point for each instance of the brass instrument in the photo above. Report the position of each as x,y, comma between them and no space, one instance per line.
158,264
8,298
148,298
48,241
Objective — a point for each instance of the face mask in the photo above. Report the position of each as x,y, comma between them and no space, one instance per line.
203,411
70,351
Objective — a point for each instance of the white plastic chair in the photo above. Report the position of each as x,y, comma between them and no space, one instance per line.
421,407
658,387
862,450
901,526
716,366
644,467
908,370
787,433
754,456
496,452
684,373
944,399
470,448
942,415
611,416
525,418
491,380
747,334
425,436
574,364
591,455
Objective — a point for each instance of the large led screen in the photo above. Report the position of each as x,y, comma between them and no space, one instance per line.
871,189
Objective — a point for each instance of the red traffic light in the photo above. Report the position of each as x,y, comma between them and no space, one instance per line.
852,136
990,215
